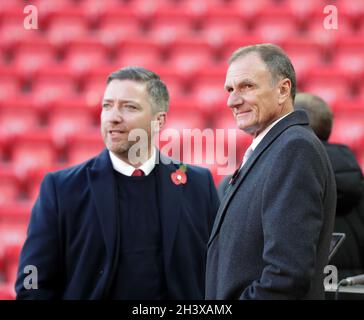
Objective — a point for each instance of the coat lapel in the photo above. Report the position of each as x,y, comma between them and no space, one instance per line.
171,204
295,118
103,187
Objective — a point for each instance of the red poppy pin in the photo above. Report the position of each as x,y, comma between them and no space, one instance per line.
179,176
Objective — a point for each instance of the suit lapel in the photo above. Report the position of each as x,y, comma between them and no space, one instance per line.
295,118
170,198
103,187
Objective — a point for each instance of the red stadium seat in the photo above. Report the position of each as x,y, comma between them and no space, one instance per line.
361,93
2,150
169,25
33,150
82,55
182,137
12,230
179,119
51,85
9,185
113,28
94,89
304,54
175,86
208,88
33,55
187,56
9,87
275,25
350,107
12,28
225,120
144,10
234,42
327,37
66,120
17,117
11,6
137,52
328,84
349,56
209,94
66,26
348,130
199,10
7,291
217,28
248,10
12,266
84,146
303,10
181,105
95,9
351,8
12,237
14,219
48,7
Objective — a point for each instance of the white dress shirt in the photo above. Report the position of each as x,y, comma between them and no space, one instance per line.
127,169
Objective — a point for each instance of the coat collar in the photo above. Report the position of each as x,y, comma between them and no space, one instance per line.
171,204
103,188
295,118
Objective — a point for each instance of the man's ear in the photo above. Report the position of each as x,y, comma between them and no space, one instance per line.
285,86
159,120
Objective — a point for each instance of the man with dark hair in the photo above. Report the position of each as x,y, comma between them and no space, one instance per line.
349,259
129,223
319,114
271,235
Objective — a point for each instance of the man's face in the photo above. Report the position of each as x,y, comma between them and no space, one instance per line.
253,98
125,107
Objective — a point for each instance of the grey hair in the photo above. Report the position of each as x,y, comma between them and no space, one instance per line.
156,89
277,62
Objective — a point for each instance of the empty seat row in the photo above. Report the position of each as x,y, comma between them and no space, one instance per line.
143,9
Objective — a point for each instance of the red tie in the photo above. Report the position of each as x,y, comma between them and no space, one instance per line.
138,173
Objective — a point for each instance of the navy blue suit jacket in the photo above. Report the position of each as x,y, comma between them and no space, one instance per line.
272,233
73,236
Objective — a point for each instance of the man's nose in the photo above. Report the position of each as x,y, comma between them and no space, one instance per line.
115,114
234,100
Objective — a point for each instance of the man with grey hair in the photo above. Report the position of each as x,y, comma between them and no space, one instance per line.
271,235
122,225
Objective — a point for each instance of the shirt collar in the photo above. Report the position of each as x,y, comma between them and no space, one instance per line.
127,170
261,135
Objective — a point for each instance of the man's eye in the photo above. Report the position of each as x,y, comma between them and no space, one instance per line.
106,106
130,106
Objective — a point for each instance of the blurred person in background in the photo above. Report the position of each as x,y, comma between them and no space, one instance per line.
272,233
349,259
112,229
